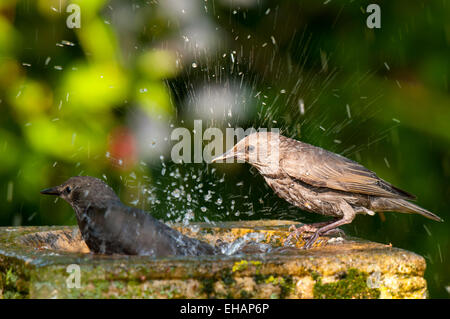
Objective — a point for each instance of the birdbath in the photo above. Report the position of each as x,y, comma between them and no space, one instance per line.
54,262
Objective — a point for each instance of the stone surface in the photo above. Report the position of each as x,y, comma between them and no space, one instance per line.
34,261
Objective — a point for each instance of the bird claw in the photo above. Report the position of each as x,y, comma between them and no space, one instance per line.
313,235
296,232
302,229
313,238
310,242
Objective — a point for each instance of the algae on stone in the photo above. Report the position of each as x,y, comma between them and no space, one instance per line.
34,260
351,285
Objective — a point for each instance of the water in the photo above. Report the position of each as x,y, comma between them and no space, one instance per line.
249,242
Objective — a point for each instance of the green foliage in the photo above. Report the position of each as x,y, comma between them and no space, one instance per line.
60,106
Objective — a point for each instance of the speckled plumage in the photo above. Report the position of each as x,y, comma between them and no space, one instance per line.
320,181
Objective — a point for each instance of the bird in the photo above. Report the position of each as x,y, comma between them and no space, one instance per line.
110,227
319,181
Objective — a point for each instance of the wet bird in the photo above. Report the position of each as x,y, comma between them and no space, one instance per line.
110,227
320,181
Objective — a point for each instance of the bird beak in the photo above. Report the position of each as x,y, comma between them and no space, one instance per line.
51,191
224,156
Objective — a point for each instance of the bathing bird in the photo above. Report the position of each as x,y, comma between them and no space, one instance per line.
110,227
319,181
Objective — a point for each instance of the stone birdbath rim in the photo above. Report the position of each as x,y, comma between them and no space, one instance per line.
40,253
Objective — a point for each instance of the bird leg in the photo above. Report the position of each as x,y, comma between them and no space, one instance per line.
309,228
349,215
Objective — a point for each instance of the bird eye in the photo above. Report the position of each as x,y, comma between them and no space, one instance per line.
250,148
68,190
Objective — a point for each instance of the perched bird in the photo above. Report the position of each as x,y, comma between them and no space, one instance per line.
110,227
320,181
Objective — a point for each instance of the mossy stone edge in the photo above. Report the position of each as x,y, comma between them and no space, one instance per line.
342,270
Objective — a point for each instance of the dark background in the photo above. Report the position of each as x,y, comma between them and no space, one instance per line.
102,100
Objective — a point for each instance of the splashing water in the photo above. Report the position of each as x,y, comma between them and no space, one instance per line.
248,80
249,243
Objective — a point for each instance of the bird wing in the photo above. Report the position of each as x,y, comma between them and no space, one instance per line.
321,168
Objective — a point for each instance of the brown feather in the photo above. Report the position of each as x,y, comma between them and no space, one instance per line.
335,171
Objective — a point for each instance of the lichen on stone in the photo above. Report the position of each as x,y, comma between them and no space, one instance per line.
13,285
244,264
351,285
352,269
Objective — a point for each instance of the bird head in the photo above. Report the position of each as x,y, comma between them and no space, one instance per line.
81,191
260,149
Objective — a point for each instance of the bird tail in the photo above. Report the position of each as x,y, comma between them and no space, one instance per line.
401,205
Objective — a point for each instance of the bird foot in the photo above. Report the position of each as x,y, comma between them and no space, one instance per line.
305,231
310,242
302,229
313,238
311,233
297,232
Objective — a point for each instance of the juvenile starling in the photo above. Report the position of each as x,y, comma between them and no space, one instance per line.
320,181
110,227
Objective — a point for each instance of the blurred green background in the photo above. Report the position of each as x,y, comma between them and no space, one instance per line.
102,100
